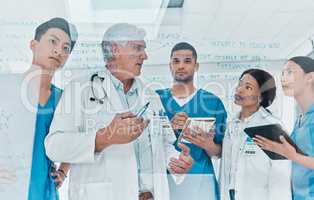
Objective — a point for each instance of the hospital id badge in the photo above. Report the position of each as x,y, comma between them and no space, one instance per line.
166,124
250,147
160,123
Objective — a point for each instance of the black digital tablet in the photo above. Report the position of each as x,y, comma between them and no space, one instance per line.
272,132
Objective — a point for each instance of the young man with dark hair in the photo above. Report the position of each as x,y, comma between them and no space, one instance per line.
51,47
182,101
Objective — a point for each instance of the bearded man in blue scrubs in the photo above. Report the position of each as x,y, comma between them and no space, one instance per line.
184,100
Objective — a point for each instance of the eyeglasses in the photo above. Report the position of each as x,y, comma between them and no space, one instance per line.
137,47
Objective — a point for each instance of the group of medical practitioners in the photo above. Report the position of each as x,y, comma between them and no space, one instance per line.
116,139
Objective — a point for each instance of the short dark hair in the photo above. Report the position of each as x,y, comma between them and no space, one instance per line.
184,46
59,23
306,63
266,83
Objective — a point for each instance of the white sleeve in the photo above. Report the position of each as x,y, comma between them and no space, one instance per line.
279,180
143,149
168,136
171,152
223,171
68,140
168,140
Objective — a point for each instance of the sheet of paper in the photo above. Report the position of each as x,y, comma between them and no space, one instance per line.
204,123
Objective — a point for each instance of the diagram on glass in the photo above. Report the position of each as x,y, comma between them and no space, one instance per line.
4,120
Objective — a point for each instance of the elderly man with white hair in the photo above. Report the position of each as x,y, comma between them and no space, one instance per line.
111,130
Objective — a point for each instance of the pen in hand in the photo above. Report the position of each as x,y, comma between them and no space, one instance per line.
142,110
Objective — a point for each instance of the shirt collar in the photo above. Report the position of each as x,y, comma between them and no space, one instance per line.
261,111
118,84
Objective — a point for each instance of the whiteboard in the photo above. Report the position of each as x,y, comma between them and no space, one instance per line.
17,122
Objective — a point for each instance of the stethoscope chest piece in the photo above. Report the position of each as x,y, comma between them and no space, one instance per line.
98,91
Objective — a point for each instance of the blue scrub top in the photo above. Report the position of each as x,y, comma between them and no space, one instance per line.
302,177
203,104
42,186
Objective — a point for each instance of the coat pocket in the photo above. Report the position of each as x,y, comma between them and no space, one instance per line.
98,191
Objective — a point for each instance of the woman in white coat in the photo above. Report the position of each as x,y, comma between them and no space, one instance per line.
247,173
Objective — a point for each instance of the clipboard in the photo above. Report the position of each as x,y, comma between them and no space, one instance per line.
272,132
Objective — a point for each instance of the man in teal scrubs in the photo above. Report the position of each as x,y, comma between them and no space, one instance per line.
184,100
51,47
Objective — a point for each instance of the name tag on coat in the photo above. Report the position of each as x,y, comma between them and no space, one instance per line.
250,147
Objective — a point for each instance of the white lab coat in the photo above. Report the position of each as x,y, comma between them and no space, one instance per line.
256,176
111,174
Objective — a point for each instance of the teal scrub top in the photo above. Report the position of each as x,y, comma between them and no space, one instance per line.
200,183
42,186
302,177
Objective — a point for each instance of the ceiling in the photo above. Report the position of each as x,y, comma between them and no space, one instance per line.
221,30
226,30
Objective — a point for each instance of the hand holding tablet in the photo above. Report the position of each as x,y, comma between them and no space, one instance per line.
272,132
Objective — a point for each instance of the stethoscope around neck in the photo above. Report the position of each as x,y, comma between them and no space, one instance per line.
94,97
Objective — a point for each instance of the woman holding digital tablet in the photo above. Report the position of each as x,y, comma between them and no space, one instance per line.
247,173
298,82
